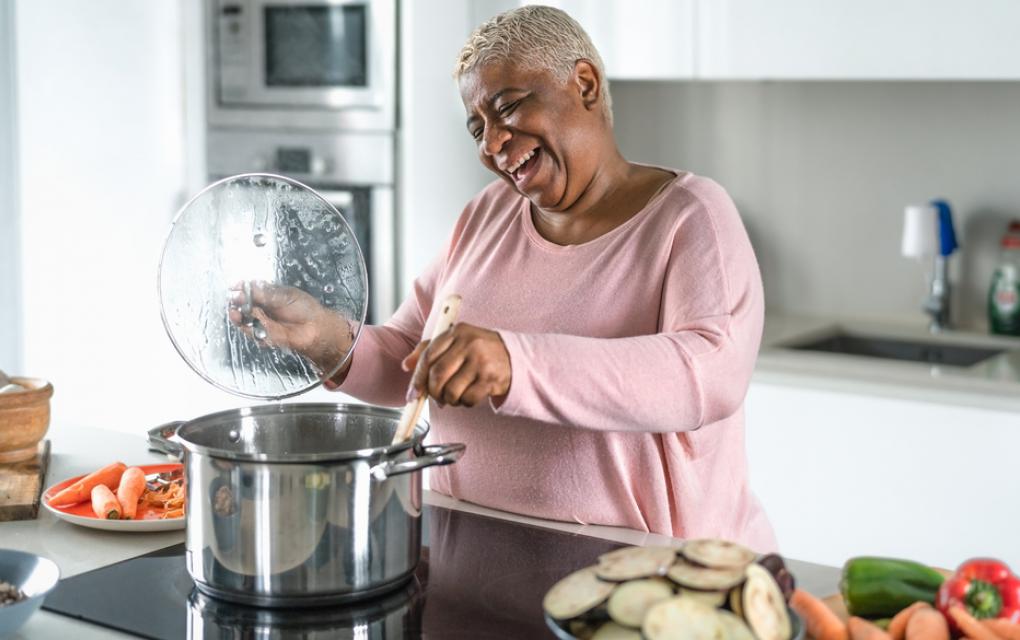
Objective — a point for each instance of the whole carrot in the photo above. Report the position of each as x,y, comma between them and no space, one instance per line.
81,490
130,489
819,620
970,625
861,629
1003,628
898,625
104,503
927,624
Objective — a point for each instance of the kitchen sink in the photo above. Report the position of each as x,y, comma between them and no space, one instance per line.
956,355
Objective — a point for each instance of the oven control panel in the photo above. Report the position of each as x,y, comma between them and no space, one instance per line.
234,51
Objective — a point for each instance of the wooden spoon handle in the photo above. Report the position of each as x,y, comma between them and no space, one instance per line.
412,410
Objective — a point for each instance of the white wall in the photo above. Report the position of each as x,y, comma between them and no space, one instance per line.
10,263
821,172
438,168
102,161
111,136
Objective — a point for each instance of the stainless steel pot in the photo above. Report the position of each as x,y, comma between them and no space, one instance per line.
301,504
395,615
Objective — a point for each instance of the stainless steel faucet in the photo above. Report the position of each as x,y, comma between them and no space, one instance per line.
928,232
937,303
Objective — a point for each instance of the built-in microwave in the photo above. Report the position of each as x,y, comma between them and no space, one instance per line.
303,63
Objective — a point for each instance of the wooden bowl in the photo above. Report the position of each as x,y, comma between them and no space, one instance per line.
24,419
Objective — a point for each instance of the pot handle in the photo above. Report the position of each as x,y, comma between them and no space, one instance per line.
160,439
432,455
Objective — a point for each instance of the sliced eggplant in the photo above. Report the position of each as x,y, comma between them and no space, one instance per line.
736,599
773,562
777,567
692,576
681,618
718,554
613,631
632,600
711,598
581,630
764,607
734,627
576,594
631,563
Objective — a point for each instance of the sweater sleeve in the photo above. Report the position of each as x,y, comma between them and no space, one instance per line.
375,375
694,372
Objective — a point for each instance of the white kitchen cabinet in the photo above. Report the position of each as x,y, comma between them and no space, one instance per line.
638,39
802,39
858,39
843,474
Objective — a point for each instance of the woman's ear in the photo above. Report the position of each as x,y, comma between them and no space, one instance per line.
588,82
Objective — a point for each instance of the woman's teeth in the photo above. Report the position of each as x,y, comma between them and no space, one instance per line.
520,161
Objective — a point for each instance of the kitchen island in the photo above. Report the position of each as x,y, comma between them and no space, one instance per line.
78,550
889,448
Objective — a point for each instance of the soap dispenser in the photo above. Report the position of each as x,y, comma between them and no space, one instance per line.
1004,293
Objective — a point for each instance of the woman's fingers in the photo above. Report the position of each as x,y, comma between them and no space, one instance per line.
425,356
464,388
475,394
443,370
411,361
461,367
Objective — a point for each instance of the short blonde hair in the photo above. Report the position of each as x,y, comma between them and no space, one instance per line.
534,37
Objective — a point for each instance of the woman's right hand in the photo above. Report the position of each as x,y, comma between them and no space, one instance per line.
292,319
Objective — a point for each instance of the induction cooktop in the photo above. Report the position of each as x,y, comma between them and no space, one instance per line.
479,577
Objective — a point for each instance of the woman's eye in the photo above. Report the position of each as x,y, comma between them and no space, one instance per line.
508,108
477,134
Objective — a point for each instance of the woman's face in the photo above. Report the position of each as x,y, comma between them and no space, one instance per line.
542,135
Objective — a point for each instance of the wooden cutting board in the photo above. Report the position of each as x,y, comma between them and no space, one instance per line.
21,485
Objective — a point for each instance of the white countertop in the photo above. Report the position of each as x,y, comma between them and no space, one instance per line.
77,549
993,384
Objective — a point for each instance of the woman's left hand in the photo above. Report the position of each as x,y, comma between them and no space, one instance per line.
461,367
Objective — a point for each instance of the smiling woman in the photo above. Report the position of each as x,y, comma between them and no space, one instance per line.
611,316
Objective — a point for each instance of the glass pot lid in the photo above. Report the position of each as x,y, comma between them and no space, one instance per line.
262,286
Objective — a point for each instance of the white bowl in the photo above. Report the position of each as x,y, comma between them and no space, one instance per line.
35,576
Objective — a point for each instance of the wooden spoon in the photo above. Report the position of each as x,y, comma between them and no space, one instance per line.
412,410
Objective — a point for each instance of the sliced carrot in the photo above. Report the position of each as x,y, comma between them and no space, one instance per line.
132,484
970,625
927,624
898,625
104,503
1003,628
81,490
819,620
861,629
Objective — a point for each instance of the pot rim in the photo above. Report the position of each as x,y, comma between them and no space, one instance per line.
420,430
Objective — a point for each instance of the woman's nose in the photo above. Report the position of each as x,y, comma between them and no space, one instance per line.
494,138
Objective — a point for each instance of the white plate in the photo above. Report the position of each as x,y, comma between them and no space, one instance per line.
169,524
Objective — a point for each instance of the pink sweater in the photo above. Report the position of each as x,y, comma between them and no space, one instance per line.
631,355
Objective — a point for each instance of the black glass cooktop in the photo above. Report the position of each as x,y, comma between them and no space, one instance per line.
479,577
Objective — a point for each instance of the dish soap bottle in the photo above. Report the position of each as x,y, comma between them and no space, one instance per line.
1004,294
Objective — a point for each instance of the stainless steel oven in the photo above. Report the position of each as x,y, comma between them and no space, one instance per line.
352,170
303,63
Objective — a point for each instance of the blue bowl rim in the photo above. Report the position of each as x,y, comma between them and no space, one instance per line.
43,560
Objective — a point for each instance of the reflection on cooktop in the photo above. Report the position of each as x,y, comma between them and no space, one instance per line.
478,578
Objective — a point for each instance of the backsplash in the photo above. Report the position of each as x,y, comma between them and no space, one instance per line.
821,172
